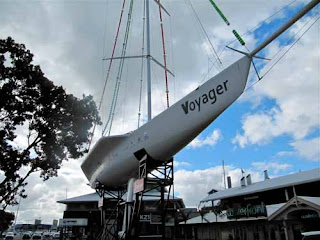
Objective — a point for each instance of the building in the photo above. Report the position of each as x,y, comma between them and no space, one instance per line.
83,218
273,209
37,227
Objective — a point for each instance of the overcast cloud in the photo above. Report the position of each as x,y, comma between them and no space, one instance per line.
70,38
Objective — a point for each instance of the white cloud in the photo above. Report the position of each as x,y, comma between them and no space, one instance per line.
254,130
308,149
67,40
210,140
42,196
294,88
181,164
285,153
193,186
272,166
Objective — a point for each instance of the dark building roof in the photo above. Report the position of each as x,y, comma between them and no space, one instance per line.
94,197
266,185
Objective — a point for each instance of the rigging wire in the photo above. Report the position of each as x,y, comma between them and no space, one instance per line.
281,57
157,85
235,33
239,37
217,58
200,33
164,53
260,23
142,60
211,67
209,70
172,57
120,70
290,47
109,69
206,34
125,97
124,106
174,93
252,29
293,37
255,69
103,68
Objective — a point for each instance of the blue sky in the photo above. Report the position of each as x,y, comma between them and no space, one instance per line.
229,123
261,131
274,125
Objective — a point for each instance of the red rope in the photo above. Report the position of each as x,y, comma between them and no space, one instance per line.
164,54
109,68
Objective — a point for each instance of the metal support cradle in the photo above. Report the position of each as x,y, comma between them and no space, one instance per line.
154,178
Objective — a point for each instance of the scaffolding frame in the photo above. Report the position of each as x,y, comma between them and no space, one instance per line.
155,175
111,224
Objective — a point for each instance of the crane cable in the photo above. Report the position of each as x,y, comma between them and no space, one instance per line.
142,61
109,69
164,54
120,70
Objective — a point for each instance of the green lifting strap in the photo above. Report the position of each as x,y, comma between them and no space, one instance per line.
238,37
219,12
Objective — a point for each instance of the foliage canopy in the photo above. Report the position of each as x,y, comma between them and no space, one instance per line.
6,220
55,125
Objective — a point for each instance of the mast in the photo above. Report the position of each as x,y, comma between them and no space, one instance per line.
148,60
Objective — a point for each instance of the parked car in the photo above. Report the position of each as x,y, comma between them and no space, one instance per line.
56,236
9,235
315,235
46,236
26,236
36,236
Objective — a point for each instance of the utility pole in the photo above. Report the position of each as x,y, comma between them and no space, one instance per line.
17,213
148,60
224,175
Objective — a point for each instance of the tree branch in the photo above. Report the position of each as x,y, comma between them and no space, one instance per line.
4,181
19,185
34,143
23,154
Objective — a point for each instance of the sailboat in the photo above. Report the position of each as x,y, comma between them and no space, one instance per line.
114,160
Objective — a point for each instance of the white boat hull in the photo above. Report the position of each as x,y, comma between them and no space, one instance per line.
112,161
